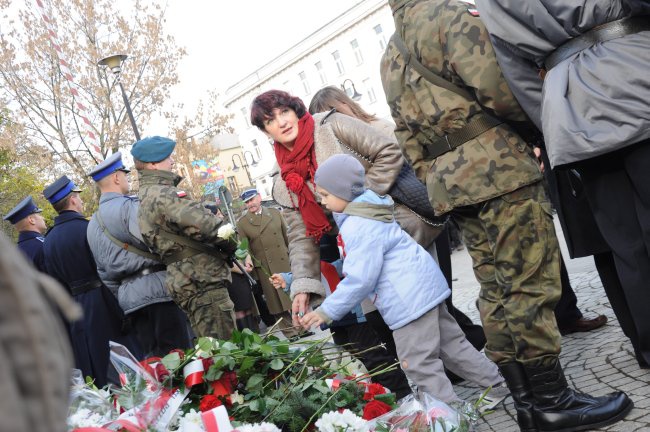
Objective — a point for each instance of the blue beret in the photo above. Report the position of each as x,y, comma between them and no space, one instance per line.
22,210
248,194
153,149
109,166
60,189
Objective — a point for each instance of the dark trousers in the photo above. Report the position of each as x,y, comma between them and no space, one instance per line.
617,186
361,337
566,309
160,328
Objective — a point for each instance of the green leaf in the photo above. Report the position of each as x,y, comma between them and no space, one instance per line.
205,344
243,244
387,398
258,405
266,350
316,360
247,363
276,364
171,361
255,381
241,254
214,373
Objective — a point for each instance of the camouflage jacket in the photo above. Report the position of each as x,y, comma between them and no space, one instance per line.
452,43
161,209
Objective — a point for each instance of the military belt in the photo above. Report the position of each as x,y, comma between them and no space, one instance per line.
598,34
441,145
77,288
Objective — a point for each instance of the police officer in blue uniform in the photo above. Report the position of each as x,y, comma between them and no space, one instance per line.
68,259
26,218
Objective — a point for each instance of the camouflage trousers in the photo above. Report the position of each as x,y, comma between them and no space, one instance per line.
210,310
515,255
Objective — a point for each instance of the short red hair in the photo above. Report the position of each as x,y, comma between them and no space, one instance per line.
263,105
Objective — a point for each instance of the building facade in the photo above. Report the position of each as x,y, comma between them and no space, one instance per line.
344,52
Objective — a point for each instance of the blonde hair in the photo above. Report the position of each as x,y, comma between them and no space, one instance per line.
330,97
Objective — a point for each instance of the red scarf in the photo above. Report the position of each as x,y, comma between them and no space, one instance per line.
297,167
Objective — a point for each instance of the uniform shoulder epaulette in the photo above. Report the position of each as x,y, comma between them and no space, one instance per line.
473,11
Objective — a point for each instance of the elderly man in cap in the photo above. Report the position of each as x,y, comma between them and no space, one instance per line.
68,259
127,267
26,218
185,235
266,232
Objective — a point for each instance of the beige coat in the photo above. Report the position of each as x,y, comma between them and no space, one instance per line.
267,237
381,157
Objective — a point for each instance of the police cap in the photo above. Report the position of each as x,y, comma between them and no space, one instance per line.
109,166
22,210
60,189
248,194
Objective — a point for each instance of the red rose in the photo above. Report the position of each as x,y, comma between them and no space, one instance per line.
208,402
161,372
207,362
294,182
374,409
373,390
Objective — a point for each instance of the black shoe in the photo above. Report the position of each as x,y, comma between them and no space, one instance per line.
557,408
517,382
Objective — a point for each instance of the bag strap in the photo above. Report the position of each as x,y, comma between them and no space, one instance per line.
123,245
194,248
475,127
425,72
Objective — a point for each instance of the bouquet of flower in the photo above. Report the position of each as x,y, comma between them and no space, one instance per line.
425,414
89,406
250,382
228,232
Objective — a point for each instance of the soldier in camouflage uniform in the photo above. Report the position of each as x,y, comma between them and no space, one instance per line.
182,232
484,175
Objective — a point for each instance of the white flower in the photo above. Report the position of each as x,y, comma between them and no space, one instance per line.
346,421
191,422
226,231
84,417
258,427
236,398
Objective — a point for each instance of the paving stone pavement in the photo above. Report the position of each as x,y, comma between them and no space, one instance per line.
597,362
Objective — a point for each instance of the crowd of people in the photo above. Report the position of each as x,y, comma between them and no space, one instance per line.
512,109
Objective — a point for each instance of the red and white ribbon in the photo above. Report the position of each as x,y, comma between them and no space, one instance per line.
216,420
65,70
193,373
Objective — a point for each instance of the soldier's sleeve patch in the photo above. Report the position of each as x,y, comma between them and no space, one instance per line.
473,11
181,194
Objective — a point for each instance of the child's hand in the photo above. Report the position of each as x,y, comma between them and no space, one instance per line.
277,281
312,319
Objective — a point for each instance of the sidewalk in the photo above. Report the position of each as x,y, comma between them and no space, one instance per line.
597,362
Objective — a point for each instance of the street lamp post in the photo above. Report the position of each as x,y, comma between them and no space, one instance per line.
244,164
114,63
352,92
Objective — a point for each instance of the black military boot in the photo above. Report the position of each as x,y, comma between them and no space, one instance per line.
557,408
517,382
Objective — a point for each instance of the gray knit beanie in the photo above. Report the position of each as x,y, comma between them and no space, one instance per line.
342,176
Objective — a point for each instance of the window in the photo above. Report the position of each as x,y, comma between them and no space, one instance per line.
244,113
305,82
321,72
257,149
357,51
370,91
339,62
233,184
379,32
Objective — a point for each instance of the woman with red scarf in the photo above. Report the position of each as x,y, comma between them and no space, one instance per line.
301,143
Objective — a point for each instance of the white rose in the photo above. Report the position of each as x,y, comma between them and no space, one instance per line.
226,231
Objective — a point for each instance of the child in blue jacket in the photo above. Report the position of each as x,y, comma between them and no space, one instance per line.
383,263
